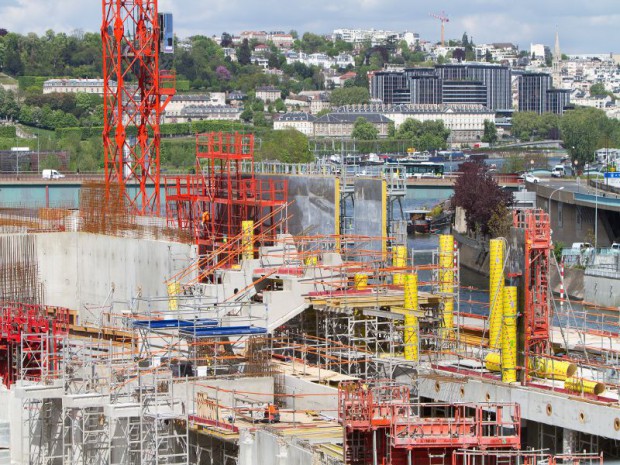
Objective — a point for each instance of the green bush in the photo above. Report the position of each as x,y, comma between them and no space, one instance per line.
8,131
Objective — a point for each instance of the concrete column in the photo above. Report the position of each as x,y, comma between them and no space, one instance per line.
569,441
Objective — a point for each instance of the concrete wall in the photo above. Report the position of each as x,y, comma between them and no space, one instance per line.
370,211
325,401
602,289
315,203
80,269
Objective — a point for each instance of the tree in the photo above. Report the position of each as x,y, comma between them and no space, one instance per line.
458,54
244,54
226,40
12,59
364,130
349,96
427,135
490,132
598,89
287,145
480,196
582,131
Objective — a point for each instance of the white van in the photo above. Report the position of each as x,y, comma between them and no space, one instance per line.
52,174
558,171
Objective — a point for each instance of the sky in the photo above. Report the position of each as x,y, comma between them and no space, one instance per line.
584,26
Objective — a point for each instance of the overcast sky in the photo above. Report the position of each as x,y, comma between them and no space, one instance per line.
585,26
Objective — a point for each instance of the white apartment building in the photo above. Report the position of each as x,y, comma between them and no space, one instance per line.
358,36
465,122
86,86
303,122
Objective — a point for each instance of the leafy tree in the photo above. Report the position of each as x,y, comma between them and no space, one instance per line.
226,40
287,145
458,54
490,132
364,130
427,135
480,196
247,114
349,96
12,59
582,129
280,107
598,89
244,54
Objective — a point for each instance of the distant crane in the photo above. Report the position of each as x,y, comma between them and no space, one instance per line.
444,19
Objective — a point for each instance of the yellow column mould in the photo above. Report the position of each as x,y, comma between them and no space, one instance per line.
496,291
174,289
247,240
411,321
446,279
509,335
399,260
584,385
360,281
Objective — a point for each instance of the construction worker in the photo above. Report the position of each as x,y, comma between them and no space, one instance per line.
206,217
272,413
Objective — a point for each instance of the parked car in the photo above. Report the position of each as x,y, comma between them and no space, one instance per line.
52,174
529,177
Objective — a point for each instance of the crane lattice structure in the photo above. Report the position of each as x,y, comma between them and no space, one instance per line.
444,19
135,94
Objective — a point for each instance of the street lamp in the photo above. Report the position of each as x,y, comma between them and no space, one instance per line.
551,195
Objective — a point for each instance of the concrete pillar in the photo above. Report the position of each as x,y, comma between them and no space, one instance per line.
569,441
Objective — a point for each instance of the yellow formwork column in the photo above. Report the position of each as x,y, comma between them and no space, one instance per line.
174,290
247,240
496,291
411,320
360,281
446,279
399,260
509,335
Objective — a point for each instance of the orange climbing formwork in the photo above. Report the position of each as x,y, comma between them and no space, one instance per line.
536,275
379,421
213,203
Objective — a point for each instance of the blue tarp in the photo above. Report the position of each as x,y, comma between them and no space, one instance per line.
223,331
163,324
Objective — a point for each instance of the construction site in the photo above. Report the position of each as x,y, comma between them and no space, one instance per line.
233,318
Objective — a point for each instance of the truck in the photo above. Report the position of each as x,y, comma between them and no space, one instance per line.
52,174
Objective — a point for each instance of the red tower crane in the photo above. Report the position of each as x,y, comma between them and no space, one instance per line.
444,19
135,94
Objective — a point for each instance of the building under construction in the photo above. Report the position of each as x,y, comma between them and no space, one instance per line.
228,332
235,317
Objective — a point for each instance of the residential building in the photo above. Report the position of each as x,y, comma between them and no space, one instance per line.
87,86
268,93
303,122
359,36
180,102
297,103
342,124
205,112
282,41
465,122
540,51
